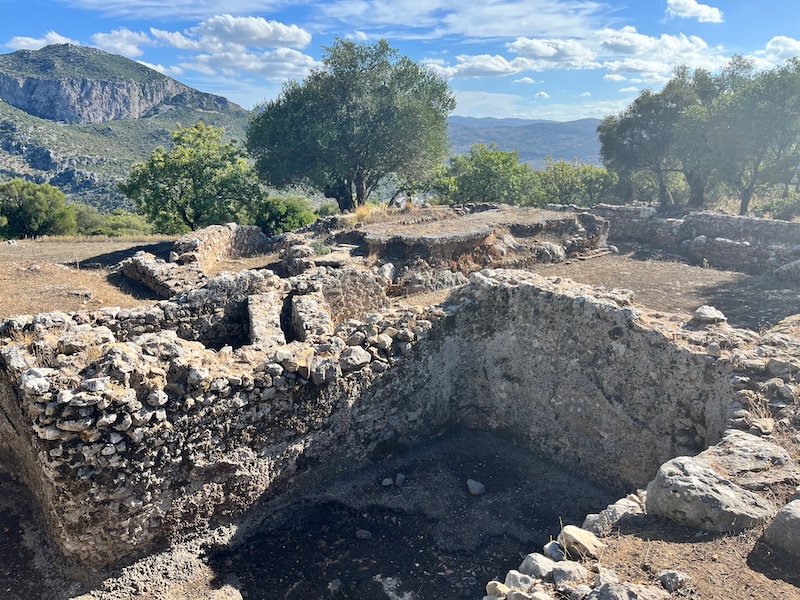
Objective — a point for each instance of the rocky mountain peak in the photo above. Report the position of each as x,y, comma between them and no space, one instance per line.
77,84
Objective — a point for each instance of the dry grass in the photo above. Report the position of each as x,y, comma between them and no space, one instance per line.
34,276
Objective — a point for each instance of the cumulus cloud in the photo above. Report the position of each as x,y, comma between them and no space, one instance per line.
275,66
29,43
585,94
614,77
171,71
122,41
482,65
554,53
629,90
691,9
781,48
527,80
252,31
542,95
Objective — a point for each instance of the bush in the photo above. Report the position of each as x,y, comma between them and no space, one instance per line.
32,210
328,209
117,223
784,208
279,215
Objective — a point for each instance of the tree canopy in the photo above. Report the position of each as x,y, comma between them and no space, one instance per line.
201,181
367,115
30,209
738,129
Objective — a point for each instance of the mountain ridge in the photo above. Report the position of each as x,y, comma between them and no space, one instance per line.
78,84
79,118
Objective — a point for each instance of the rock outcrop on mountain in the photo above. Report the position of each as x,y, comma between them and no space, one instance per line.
79,118
85,85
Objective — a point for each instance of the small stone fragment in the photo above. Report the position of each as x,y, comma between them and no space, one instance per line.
496,588
400,479
673,580
579,542
554,551
363,534
568,570
387,481
476,488
709,314
519,581
537,565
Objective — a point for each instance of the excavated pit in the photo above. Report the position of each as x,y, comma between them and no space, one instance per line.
150,427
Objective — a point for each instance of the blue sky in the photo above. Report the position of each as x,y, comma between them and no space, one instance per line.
537,59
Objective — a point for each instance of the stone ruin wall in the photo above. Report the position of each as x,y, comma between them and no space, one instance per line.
216,243
729,242
140,437
136,428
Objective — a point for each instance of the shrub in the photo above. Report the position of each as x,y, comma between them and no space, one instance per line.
279,215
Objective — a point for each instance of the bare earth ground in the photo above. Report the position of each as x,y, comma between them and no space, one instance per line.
726,567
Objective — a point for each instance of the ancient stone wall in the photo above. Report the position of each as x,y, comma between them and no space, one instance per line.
132,434
219,242
725,241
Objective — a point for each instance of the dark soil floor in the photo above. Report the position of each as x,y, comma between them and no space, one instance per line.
428,539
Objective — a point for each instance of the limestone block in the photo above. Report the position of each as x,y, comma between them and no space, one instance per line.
784,531
690,492
578,542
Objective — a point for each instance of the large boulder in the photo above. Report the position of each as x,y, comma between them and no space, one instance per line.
688,491
784,531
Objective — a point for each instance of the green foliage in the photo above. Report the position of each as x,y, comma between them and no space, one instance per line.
486,174
278,215
562,182
786,208
737,130
328,209
32,210
320,249
367,115
201,181
114,224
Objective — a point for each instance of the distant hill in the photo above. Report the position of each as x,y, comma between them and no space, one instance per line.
533,139
79,118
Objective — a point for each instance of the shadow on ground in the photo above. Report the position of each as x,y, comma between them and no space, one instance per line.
429,538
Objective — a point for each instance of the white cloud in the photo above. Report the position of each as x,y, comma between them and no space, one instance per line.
252,31
629,90
482,65
488,19
122,41
585,94
542,95
781,48
171,71
186,10
488,104
177,40
691,9
554,53
276,66
29,43
614,77
527,80
359,36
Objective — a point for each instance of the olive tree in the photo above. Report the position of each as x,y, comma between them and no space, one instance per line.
366,116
